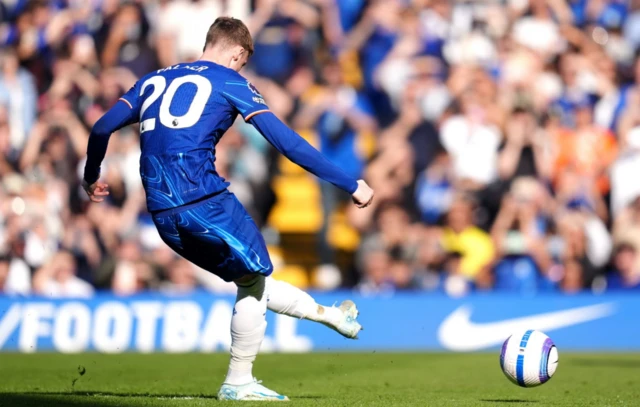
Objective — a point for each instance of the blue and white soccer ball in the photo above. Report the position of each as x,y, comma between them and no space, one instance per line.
529,358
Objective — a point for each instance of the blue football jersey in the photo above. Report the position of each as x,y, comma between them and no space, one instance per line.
183,111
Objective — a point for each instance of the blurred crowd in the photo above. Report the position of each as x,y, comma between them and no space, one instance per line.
502,139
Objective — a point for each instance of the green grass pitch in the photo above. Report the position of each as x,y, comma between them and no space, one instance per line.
356,379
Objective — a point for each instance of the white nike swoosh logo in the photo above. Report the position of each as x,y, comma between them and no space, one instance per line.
457,332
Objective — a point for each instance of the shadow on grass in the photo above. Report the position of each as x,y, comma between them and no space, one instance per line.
86,398
508,401
96,398
629,364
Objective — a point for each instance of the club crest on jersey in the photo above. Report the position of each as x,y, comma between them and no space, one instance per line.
253,89
258,98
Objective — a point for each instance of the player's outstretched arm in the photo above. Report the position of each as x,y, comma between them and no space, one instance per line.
295,148
117,117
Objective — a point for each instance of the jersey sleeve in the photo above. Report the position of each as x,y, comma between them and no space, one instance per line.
244,97
120,115
296,149
132,99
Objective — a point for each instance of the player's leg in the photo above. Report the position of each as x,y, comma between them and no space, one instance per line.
248,325
219,236
286,299
214,236
250,251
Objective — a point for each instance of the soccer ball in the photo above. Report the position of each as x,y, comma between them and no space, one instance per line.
529,358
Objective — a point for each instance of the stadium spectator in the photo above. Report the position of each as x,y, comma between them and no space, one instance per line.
434,189
180,42
181,278
626,228
15,277
375,268
57,278
624,186
4,275
472,136
625,274
18,96
472,247
519,235
341,117
126,43
393,233
525,152
588,150
130,273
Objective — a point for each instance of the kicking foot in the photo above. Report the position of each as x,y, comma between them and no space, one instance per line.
345,323
253,391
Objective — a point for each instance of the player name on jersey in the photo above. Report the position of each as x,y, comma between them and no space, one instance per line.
197,68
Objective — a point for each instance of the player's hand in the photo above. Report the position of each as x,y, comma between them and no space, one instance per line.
96,191
363,195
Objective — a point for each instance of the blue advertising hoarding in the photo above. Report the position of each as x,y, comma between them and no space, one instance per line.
200,322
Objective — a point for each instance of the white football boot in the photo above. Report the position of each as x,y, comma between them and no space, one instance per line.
345,324
253,391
